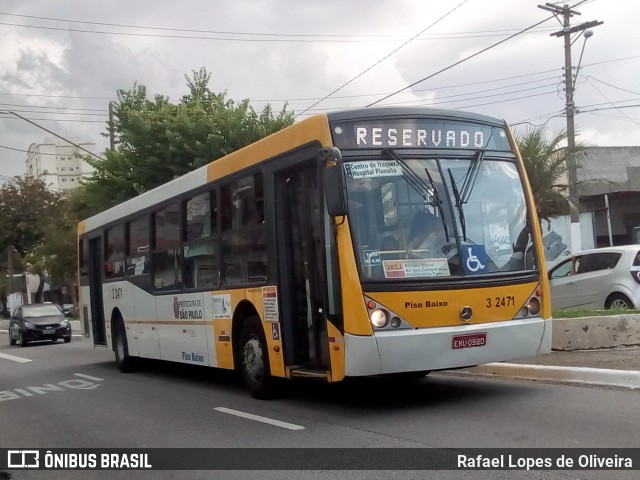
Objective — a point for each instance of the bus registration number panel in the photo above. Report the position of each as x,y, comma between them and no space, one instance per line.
469,341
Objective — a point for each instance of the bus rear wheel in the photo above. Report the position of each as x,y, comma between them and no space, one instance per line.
124,361
253,359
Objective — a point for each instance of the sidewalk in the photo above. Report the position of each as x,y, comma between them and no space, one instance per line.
617,367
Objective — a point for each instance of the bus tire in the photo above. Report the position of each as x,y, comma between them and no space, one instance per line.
253,360
124,361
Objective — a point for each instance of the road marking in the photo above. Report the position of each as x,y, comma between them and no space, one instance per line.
14,359
65,385
258,418
89,377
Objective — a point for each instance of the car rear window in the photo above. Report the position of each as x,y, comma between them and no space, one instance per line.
35,311
599,261
636,260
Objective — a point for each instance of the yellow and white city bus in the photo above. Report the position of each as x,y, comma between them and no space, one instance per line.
356,243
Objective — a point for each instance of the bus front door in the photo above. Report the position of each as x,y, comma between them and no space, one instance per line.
301,270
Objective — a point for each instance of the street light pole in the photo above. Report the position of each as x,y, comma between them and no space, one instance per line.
569,86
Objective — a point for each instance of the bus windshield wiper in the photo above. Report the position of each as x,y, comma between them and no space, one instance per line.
470,177
420,186
456,194
412,179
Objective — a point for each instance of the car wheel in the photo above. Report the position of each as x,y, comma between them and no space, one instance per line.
254,361
121,348
12,341
67,339
23,342
618,301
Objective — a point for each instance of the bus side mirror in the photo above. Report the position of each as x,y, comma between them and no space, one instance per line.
334,190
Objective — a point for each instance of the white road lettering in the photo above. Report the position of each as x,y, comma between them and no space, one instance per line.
258,418
65,385
89,377
15,359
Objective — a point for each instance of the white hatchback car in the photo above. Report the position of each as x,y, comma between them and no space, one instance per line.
602,278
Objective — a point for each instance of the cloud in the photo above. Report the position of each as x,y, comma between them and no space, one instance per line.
51,66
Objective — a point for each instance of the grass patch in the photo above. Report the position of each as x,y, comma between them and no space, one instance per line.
568,313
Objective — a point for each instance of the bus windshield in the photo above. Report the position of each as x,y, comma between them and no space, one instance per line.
438,217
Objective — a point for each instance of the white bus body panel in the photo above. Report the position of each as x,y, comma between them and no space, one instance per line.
431,348
173,327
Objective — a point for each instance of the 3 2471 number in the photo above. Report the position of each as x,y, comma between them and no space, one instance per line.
499,302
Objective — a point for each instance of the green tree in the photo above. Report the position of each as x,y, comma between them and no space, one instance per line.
57,254
27,209
159,140
545,159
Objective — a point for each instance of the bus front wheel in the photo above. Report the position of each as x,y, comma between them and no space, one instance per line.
254,360
121,348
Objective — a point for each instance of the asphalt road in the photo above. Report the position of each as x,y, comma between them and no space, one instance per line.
72,396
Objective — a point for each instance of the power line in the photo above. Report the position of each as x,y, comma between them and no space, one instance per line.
385,57
55,134
464,97
459,62
290,36
22,150
591,77
442,87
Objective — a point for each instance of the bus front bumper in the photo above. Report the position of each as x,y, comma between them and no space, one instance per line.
433,348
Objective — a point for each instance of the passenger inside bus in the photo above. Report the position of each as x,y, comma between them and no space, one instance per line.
426,235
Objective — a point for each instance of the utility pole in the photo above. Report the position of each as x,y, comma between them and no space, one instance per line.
112,138
569,87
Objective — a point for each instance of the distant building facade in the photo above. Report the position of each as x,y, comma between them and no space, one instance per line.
609,199
58,163
610,177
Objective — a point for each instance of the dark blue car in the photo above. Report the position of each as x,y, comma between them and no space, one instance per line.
38,322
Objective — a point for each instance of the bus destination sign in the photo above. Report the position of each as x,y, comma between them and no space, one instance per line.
419,133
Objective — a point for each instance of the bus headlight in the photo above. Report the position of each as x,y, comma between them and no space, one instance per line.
533,306
379,318
396,322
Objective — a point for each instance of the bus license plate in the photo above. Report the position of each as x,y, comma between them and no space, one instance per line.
469,341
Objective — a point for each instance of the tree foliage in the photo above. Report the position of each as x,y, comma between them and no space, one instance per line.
26,209
159,140
545,159
57,254
28,213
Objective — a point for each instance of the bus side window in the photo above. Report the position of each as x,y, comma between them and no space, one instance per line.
138,246
244,249
114,265
167,254
201,263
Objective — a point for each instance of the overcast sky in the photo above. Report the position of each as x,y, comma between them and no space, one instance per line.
62,61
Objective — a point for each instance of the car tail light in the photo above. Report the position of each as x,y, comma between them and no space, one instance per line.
635,274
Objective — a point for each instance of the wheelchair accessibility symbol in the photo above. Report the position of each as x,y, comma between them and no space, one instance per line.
474,258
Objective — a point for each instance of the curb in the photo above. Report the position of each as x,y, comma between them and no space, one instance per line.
580,375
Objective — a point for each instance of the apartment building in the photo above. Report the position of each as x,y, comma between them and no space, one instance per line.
58,163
